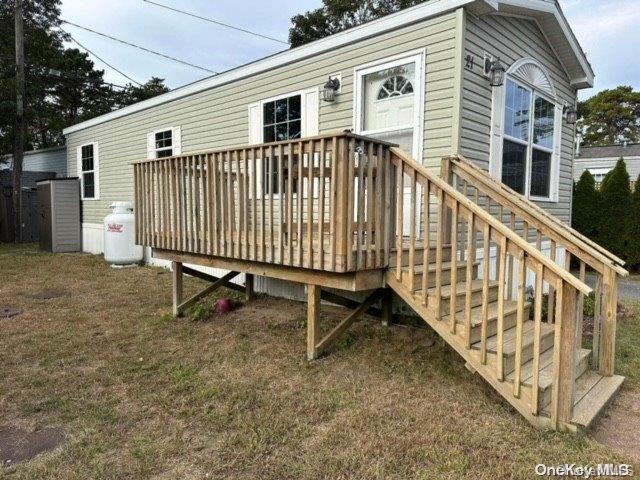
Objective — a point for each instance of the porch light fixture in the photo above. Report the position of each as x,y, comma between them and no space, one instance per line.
330,89
570,114
496,73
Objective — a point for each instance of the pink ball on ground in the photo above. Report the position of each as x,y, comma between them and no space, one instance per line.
224,305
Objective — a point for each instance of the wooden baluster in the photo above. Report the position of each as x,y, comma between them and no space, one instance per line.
537,314
580,308
426,259
322,190
522,285
350,202
552,297
370,207
213,203
281,204
162,194
247,195
194,205
210,204
178,203
597,322
399,198
361,208
310,195
439,242
453,287
512,226
254,190
502,267
471,259
388,194
204,248
486,266
412,232
379,230
299,196
240,210
272,185
335,158
264,182
230,204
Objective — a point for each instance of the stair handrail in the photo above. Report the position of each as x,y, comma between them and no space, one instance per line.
494,223
531,212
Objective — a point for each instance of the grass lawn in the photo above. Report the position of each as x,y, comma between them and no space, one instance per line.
141,395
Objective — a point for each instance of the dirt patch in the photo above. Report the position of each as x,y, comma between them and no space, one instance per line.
47,294
18,445
619,426
8,312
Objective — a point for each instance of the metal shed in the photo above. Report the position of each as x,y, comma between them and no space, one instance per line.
60,222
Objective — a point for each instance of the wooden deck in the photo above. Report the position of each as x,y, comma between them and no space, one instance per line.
331,212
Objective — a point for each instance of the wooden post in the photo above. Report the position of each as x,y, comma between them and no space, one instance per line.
609,320
387,307
341,202
248,287
313,321
176,269
564,356
447,175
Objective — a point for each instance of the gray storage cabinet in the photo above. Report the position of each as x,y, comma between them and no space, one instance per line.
60,215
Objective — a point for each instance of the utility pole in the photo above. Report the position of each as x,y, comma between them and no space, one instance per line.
18,148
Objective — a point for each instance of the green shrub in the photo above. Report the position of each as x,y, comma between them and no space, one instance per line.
586,201
589,307
615,214
201,312
633,256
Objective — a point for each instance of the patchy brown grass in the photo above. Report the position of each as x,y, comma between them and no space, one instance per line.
141,395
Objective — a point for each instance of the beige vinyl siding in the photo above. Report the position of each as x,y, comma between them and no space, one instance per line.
218,117
582,164
511,39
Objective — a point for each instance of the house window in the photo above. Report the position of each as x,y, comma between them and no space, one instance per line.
394,87
281,121
88,163
599,174
164,143
528,142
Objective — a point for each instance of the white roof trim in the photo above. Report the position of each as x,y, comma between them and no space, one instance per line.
376,27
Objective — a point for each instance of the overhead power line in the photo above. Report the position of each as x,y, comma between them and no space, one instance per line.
102,60
211,20
169,57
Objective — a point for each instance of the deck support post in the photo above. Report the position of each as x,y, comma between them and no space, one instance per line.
176,275
387,307
248,287
566,345
313,321
607,350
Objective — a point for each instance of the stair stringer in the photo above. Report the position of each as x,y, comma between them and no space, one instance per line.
486,371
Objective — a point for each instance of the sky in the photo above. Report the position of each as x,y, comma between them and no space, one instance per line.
606,29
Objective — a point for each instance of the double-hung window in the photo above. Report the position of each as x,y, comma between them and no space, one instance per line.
88,170
528,143
165,142
281,120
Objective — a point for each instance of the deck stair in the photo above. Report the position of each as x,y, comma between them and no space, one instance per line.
486,268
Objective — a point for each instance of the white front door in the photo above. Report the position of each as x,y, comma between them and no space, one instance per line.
388,97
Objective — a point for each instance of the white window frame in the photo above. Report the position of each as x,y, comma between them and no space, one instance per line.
176,142
309,120
95,171
599,171
418,57
498,134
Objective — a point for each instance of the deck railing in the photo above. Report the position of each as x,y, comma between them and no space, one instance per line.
548,234
461,225
318,203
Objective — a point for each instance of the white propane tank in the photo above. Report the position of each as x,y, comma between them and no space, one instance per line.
119,236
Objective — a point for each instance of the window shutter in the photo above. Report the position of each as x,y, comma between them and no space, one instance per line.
310,108
96,170
151,145
497,125
176,139
255,137
557,153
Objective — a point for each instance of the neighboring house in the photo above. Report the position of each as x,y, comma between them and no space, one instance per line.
601,160
251,172
52,159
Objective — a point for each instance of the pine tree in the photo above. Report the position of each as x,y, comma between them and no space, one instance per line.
615,224
586,202
634,234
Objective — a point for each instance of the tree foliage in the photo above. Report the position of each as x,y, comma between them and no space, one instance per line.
611,116
586,201
634,233
615,213
63,87
337,15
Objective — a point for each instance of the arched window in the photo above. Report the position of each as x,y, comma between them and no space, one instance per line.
527,125
394,87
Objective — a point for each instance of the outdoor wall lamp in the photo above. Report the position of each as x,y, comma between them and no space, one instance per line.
330,89
570,114
496,73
